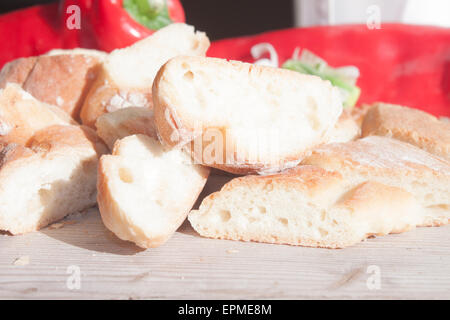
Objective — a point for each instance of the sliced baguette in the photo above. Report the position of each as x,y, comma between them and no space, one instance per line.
145,193
395,163
409,125
16,71
127,74
305,206
60,77
52,176
258,118
372,186
48,165
125,122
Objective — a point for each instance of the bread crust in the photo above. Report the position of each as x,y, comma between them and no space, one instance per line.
48,164
362,209
107,95
176,129
125,122
21,115
63,80
50,146
408,125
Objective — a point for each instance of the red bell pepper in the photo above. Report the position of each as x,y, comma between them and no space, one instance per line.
105,25
403,64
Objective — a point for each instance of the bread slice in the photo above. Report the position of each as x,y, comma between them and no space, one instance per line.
21,115
395,163
145,193
127,74
245,118
52,176
409,125
125,122
373,186
61,77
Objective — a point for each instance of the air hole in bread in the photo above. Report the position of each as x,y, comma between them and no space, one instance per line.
185,66
188,75
45,195
262,209
284,221
225,215
125,175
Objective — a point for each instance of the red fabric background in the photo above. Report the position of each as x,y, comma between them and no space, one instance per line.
402,64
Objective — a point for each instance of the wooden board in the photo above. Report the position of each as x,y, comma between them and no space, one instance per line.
415,264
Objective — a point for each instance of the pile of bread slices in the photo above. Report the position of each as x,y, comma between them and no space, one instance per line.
310,173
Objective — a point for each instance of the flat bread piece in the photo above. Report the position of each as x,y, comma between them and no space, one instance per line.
144,192
245,118
409,125
343,194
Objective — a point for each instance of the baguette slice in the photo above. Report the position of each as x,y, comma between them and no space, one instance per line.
52,176
395,163
373,186
60,77
305,206
21,115
125,122
16,71
245,118
127,74
145,193
409,125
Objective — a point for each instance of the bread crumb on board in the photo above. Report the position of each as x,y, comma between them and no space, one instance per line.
59,225
22,261
232,251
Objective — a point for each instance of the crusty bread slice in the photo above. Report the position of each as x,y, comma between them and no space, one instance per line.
372,186
127,74
21,115
52,176
305,206
125,122
395,163
60,77
246,118
63,80
409,125
145,193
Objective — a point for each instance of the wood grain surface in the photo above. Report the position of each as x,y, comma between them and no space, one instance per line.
39,265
